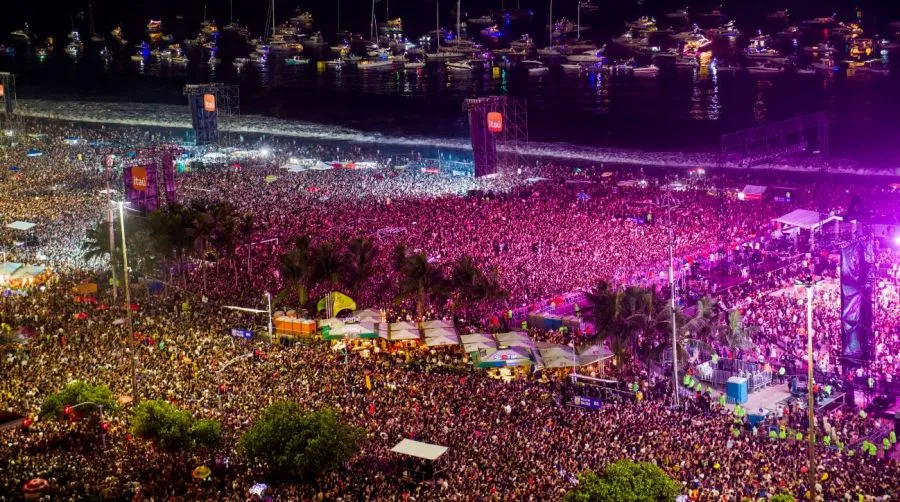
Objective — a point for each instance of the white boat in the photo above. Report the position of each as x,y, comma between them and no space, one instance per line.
820,49
571,66
443,56
315,42
481,20
587,6
525,43
642,24
579,47
296,60
586,57
875,67
533,67
375,64
240,62
678,15
73,49
765,70
823,65
646,71
779,15
462,65
335,63
725,68
137,57
805,71
685,62
413,65
22,34
180,60
258,57
548,51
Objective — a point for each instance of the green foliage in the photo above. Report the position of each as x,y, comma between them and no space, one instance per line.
206,432
783,497
76,393
625,481
172,428
300,444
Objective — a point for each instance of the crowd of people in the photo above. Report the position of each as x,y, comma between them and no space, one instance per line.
507,440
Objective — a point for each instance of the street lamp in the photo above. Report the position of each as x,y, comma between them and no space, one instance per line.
810,285
267,311
68,409
134,387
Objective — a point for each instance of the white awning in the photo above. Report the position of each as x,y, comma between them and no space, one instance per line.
440,323
419,450
21,225
806,219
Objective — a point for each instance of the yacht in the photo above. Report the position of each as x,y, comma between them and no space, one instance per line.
302,18
413,65
887,45
646,71
533,67
209,28
679,15
22,34
790,32
580,46
481,20
468,65
726,68
571,66
548,51
805,71
586,57
182,60
118,36
727,30
765,69
643,24
779,15
315,42
258,57
818,22
876,67
686,62
759,48
824,64
588,6
154,30
235,27
823,48
335,63
373,64
444,55
523,44
296,60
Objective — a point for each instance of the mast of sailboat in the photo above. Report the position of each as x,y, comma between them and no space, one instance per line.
458,24
372,23
437,26
551,23
578,33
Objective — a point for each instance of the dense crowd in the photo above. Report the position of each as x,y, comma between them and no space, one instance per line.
508,441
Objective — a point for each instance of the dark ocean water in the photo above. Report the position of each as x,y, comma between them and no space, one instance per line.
680,109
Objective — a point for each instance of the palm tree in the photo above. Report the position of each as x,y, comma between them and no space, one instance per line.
471,284
327,265
296,268
611,309
651,319
398,257
421,280
96,242
737,335
360,263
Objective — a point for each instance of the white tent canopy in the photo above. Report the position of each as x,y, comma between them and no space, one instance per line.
437,341
593,354
476,341
21,225
400,334
440,323
438,332
399,326
514,339
806,219
419,449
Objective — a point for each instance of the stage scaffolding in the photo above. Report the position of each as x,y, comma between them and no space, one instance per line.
507,151
754,145
228,107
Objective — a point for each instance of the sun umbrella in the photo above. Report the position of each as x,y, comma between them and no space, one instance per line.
34,488
201,472
34,152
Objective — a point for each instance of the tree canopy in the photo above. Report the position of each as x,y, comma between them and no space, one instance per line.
299,444
625,481
76,393
172,428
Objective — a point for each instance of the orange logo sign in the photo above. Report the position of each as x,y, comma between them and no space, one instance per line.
209,102
139,178
495,122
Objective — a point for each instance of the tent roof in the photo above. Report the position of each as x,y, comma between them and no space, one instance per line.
403,325
436,341
9,267
436,332
400,334
805,219
439,323
514,339
368,314
419,450
754,189
476,337
21,225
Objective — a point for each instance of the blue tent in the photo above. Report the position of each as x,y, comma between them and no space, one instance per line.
34,152
14,169
583,196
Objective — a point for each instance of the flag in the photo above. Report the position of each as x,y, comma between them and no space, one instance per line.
335,302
